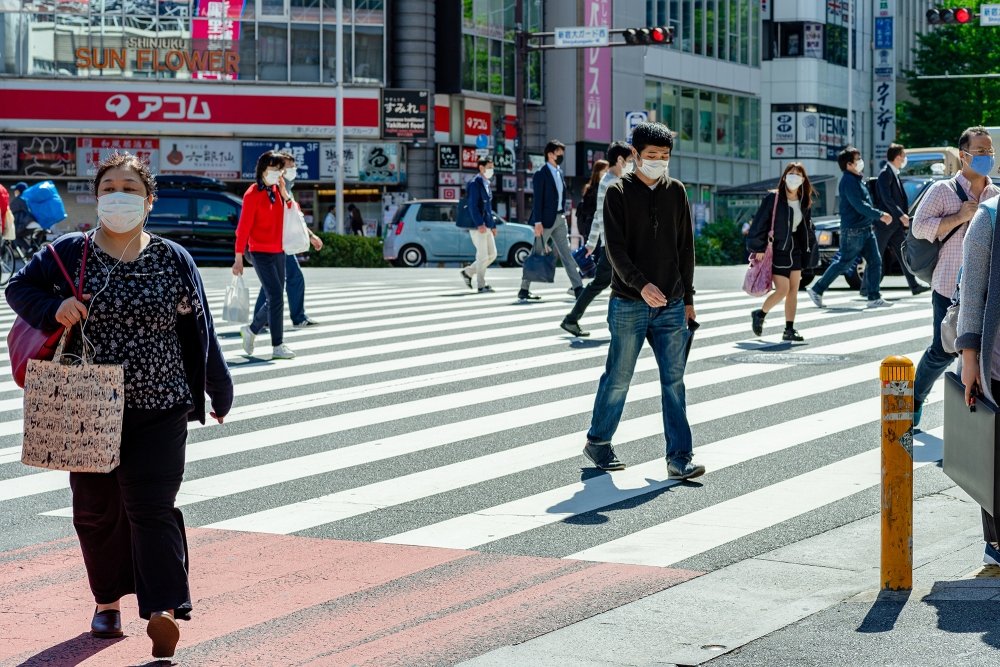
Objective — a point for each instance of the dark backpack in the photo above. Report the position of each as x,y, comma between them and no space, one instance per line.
872,184
921,255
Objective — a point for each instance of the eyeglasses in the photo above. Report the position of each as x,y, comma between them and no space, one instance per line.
981,151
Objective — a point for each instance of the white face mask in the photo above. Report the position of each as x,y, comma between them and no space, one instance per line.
488,173
793,181
121,212
628,167
655,169
271,177
860,166
902,165
291,173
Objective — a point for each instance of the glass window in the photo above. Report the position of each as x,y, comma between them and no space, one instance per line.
305,52
174,208
496,67
272,9
248,52
305,10
790,39
688,23
272,53
752,34
508,72
687,118
745,31
668,106
652,103
436,213
674,19
710,9
698,27
754,129
722,27
469,59
723,124
835,44
741,128
734,32
215,210
706,121
368,55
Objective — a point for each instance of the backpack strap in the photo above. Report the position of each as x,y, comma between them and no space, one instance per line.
959,190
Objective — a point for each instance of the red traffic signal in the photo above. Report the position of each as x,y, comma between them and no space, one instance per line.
960,15
649,35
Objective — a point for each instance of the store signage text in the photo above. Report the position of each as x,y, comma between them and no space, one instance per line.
157,60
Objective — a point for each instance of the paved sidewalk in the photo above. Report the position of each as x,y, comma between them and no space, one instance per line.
815,602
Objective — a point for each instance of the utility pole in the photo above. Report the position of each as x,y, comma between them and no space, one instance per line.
850,73
520,79
340,117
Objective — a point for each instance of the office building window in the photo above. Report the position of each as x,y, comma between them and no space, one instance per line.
488,47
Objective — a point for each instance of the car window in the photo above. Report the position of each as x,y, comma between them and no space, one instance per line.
436,213
214,210
174,208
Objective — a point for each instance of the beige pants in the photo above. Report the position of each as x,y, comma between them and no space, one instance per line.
486,254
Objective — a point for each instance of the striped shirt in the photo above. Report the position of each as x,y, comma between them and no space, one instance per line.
940,202
597,227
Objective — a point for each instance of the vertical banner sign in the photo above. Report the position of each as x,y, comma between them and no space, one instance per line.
405,114
597,77
884,79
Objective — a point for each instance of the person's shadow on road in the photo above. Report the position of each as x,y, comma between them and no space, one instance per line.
70,652
600,484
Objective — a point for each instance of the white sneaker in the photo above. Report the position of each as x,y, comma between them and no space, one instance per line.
878,303
247,337
816,297
282,352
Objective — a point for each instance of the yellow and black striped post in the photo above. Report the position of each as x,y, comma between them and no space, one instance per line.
896,375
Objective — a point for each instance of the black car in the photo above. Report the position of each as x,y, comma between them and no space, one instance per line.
197,213
828,235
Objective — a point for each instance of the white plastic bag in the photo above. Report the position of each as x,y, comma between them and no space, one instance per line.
295,237
236,307
9,233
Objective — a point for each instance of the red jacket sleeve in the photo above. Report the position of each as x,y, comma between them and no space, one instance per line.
247,216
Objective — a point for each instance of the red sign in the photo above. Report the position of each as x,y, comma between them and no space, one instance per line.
191,108
469,158
442,119
477,122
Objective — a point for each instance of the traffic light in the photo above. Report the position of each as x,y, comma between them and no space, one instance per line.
651,35
959,15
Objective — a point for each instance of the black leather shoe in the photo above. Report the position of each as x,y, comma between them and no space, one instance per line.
920,289
525,295
757,322
573,328
106,624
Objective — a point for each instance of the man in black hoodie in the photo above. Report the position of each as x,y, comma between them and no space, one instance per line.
650,242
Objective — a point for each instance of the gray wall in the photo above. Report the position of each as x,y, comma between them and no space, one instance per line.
412,45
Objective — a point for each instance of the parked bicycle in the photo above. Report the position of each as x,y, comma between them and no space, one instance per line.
15,254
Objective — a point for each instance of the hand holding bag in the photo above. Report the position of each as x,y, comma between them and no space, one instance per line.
236,307
295,234
540,265
757,281
25,342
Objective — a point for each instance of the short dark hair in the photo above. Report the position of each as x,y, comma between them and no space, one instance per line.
895,150
553,146
652,134
617,149
974,131
127,161
847,156
267,159
287,156
484,160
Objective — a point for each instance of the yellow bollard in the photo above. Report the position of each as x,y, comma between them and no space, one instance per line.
896,375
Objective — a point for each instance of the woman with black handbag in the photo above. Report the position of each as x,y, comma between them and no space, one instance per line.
789,210
144,308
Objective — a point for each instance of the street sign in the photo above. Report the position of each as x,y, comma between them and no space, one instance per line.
581,36
989,15
632,119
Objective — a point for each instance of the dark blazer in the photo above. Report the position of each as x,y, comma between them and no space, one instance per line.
761,226
480,205
36,291
892,195
545,197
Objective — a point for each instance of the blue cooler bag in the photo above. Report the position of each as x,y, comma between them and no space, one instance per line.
45,204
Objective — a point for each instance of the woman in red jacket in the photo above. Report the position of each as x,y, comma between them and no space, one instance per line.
260,229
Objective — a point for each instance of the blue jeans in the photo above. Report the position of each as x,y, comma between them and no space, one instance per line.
632,322
295,287
270,268
856,243
935,360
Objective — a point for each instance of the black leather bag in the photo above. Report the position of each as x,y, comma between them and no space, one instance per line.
970,445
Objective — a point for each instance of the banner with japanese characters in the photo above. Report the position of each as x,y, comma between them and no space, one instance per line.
215,158
405,114
884,79
91,151
306,154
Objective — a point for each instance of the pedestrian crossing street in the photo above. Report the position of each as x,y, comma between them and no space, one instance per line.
422,414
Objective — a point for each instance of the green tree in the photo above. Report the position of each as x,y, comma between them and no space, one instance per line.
942,108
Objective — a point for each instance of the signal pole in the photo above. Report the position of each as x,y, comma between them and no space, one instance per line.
520,78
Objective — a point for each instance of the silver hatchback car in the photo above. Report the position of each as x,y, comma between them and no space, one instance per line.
424,230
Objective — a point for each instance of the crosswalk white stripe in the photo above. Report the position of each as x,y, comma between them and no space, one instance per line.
692,534
698,412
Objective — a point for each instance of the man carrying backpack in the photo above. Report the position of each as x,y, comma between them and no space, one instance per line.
942,215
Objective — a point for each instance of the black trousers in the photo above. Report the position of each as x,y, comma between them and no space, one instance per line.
890,237
601,281
131,534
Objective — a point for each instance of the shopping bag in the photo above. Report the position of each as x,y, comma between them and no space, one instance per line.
45,204
9,231
540,265
236,307
295,235
588,267
73,414
757,281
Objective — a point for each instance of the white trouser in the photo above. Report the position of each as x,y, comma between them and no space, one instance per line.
486,254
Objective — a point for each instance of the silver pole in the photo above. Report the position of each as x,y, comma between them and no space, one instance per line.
340,117
850,73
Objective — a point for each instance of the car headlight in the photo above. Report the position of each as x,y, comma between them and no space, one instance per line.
825,238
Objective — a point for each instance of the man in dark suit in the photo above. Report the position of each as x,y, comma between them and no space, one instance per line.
548,216
893,199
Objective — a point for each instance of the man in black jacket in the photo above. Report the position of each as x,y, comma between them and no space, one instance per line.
649,239
893,199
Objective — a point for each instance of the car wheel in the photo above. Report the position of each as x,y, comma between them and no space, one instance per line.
518,253
412,256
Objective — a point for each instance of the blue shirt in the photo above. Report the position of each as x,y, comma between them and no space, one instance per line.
557,174
856,210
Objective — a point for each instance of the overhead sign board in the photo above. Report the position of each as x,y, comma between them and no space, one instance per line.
581,36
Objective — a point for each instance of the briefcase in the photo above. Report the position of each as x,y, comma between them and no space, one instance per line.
970,445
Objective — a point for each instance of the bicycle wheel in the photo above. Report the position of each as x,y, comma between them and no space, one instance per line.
6,263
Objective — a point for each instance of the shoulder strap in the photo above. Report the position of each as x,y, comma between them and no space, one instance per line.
774,213
959,190
62,267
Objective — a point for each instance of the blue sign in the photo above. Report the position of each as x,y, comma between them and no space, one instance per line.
883,33
306,157
482,141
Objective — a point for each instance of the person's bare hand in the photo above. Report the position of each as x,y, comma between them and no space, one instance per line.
538,229
905,219
653,297
317,242
886,218
238,266
217,417
494,230
689,312
72,311
967,211
482,229
590,251
759,256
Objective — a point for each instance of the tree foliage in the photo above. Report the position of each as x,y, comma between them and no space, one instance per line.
942,108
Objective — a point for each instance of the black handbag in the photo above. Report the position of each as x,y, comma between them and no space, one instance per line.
540,265
970,445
